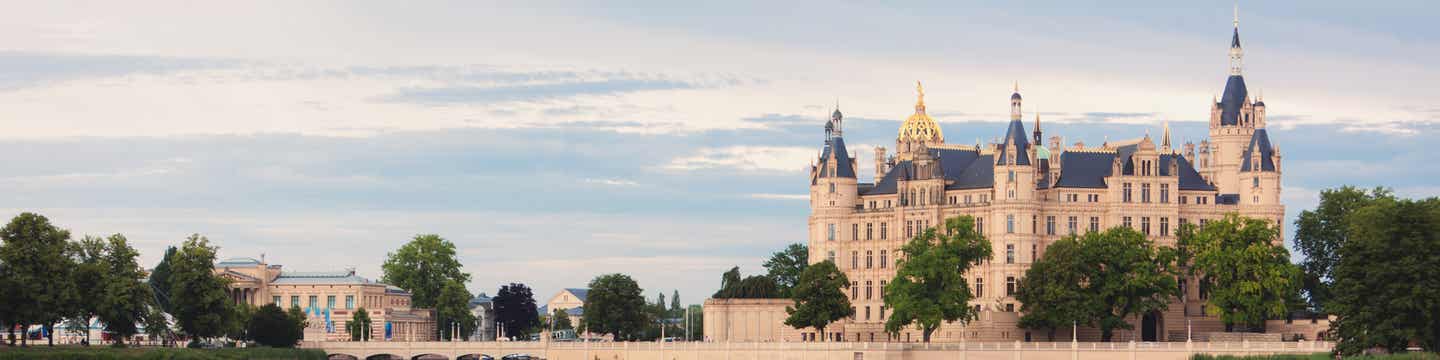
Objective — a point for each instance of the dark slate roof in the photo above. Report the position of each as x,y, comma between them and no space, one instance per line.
1259,142
1044,181
886,185
1232,100
1227,199
964,169
1189,178
980,174
579,293
1235,40
842,159
1015,134
1083,169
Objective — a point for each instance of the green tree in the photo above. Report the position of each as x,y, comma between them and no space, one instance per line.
615,306
87,275
237,325
160,280
201,305
124,299
359,326
1247,270
1052,294
271,326
751,287
453,308
1128,275
561,320
515,310
298,322
785,266
1387,282
675,310
156,325
423,266
34,254
819,299
929,285
1320,233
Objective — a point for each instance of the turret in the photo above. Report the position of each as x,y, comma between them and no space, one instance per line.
833,185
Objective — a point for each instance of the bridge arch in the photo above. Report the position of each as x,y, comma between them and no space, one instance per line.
475,356
384,357
339,356
430,356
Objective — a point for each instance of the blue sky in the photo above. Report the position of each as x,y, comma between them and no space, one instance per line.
553,142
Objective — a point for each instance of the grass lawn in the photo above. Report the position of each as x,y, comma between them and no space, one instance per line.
42,352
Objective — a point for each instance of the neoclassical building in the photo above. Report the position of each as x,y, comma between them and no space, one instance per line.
1025,193
329,299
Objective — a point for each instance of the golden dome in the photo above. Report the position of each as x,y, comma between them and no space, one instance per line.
920,126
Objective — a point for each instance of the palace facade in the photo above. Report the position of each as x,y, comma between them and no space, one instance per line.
329,300
1026,193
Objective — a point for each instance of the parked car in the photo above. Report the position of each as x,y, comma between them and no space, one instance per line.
516,357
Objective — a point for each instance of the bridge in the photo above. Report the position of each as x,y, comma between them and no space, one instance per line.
379,350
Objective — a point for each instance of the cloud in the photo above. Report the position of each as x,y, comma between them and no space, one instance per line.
611,182
779,159
478,95
32,69
779,196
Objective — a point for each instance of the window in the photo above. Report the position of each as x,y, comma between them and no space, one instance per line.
1164,226
1071,225
1164,193
1049,225
330,302
854,289
1125,221
1034,224
967,199
1034,252
830,234
869,231
1145,193
909,229
867,313
1012,176
1093,197
830,255
979,287
1009,286
984,198
1009,253
1010,224
854,259
349,301
882,231
1145,225
314,301
832,188
882,295
1010,194
1125,194
980,225
883,261
1182,199
1255,181
294,301
868,286
854,231
869,259
882,312
1010,307
277,300
1094,223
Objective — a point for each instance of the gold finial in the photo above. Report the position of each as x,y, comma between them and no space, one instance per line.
1237,15
920,90
1017,86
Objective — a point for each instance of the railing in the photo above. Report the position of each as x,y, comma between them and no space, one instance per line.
1301,347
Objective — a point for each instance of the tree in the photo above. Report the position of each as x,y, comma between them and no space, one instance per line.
1128,275
929,285
785,266
156,325
87,275
1387,280
675,310
359,326
423,266
34,254
298,322
751,287
615,306
1320,233
160,280
819,299
1248,273
124,299
453,308
1052,294
201,306
271,326
237,325
560,320
515,310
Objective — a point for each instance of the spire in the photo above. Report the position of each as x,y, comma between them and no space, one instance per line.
1015,103
920,98
1037,132
1165,138
1236,54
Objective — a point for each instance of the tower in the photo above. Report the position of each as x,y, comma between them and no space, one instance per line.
919,132
1233,123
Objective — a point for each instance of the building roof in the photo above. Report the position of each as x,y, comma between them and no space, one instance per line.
843,169
1015,134
1190,179
578,292
1084,169
1259,142
238,261
320,278
1232,100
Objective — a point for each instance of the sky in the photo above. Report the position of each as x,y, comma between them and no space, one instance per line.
556,141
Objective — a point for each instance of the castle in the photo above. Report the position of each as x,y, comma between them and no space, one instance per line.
1025,194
